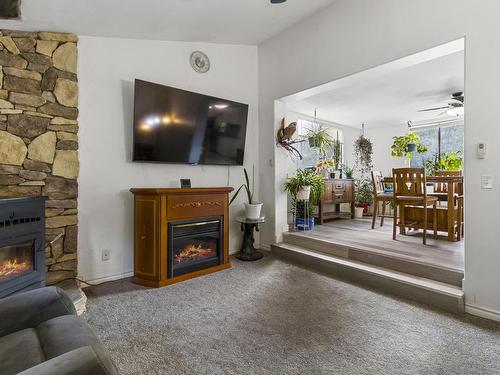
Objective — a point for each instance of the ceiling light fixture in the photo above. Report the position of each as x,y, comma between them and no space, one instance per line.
278,1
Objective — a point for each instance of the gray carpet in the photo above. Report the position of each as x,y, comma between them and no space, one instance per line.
269,317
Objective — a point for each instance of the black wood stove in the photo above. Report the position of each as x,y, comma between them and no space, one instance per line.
22,244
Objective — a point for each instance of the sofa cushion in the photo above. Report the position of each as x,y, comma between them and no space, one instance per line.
82,361
52,338
20,350
63,334
29,309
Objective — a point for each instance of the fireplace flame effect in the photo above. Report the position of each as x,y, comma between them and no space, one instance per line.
193,252
11,268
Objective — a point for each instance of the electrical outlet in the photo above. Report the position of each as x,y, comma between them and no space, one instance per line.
106,254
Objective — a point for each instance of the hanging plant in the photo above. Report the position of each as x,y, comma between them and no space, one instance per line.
320,139
404,145
363,152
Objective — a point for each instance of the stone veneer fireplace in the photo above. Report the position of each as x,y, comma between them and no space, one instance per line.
38,135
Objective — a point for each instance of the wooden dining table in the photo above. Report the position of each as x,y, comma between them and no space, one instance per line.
454,186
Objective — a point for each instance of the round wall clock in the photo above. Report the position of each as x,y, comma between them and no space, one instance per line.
200,62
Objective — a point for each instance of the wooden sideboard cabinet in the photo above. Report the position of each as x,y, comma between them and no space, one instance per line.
337,191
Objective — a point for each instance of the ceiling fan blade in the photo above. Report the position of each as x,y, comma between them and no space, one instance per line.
432,109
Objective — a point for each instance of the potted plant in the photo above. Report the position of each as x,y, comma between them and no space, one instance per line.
252,209
348,170
337,154
320,139
451,161
363,152
324,166
404,145
363,197
304,186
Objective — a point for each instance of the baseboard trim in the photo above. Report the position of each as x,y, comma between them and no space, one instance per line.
104,279
265,247
483,312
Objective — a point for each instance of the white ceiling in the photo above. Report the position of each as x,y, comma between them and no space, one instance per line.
218,21
392,98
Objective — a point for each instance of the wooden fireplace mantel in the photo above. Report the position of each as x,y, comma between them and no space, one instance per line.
179,191
154,210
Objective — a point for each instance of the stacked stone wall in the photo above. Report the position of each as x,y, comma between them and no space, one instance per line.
39,135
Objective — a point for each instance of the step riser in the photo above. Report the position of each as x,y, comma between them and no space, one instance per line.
397,264
317,245
386,285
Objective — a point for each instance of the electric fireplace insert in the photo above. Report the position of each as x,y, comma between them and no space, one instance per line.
194,245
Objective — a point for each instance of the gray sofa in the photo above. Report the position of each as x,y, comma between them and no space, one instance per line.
41,334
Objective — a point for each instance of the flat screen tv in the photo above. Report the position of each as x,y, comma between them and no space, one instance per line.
178,126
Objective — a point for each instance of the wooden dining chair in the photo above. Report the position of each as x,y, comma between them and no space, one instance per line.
441,192
409,189
379,195
441,188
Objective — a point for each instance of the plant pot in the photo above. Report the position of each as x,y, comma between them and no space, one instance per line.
411,147
303,193
358,212
252,211
312,142
304,224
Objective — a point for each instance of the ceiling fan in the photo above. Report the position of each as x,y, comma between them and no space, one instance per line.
455,106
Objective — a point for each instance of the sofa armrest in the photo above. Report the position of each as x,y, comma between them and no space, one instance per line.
82,361
29,309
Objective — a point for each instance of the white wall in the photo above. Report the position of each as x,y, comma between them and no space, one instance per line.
381,138
107,69
354,35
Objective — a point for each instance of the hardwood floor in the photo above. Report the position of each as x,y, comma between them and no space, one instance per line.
439,260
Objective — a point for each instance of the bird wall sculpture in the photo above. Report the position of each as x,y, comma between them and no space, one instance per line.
284,138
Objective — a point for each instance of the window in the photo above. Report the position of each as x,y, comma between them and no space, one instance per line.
311,155
439,139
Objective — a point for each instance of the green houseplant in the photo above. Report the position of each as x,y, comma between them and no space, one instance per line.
349,171
363,152
451,161
363,196
337,153
404,145
321,139
304,186
252,209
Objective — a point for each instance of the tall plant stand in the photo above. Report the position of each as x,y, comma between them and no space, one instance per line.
248,252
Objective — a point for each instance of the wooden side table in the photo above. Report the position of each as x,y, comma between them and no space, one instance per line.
248,252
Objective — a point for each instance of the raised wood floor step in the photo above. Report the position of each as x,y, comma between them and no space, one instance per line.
376,255
431,292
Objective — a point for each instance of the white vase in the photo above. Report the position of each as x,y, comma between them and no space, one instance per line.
252,211
358,212
303,193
